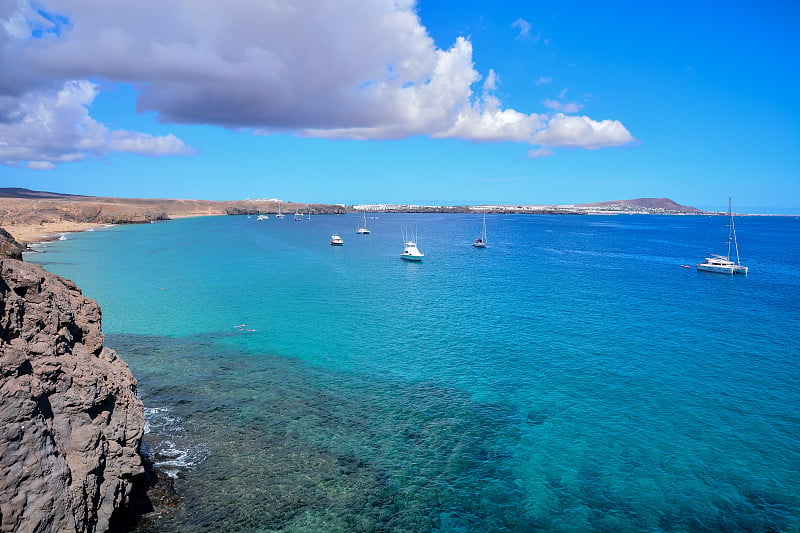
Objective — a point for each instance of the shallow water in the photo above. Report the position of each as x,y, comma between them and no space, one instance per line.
571,376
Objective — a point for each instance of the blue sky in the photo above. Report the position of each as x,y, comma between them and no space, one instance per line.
434,102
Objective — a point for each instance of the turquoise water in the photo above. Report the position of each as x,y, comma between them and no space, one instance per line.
571,376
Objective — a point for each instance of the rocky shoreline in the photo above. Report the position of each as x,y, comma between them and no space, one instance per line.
71,423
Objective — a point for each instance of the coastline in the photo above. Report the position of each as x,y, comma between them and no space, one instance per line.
30,220
47,231
50,231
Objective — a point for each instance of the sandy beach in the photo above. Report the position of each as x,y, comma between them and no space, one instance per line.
46,231
31,220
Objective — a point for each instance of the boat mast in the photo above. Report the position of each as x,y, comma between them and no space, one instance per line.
730,227
732,230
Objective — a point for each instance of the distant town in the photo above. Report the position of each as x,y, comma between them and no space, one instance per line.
643,206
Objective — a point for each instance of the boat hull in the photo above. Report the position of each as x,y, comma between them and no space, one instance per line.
723,269
411,257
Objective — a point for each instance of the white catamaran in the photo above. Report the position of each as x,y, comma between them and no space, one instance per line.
723,264
362,230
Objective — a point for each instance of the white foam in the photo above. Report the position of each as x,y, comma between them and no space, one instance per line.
173,450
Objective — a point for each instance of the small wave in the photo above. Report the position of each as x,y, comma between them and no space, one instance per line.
171,448
172,458
62,237
159,420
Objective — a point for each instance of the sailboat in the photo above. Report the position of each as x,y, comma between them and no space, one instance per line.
480,242
262,216
363,229
410,250
279,215
298,216
723,264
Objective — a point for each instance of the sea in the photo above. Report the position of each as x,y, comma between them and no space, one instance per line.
578,374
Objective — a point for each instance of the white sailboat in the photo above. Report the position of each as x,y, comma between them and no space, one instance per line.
298,216
723,264
480,242
363,229
279,215
410,250
262,216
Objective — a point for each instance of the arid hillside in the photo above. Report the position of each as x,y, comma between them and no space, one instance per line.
32,215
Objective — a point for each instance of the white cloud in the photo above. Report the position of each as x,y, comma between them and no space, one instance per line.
582,132
551,104
537,153
524,29
41,165
561,105
566,107
358,69
544,80
46,128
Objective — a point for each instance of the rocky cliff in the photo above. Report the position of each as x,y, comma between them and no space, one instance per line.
9,247
70,421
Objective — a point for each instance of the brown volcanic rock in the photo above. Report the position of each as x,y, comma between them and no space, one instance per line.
9,247
70,421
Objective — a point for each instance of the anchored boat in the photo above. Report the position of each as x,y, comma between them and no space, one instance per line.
722,263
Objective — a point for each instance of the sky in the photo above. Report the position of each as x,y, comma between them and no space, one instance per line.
401,101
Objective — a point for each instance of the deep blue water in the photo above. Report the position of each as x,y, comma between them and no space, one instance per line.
572,376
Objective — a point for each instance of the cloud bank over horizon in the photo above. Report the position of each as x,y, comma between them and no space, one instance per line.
354,69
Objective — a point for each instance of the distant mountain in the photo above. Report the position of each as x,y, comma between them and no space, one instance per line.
664,204
19,192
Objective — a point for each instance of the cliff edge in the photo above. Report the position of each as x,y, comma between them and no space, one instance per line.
70,421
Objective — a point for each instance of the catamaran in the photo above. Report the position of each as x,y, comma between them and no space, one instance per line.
363,229
480,242
723,264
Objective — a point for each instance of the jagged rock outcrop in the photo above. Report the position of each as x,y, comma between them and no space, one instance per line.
70,421
9,247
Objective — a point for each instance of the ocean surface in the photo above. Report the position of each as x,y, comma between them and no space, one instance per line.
572,376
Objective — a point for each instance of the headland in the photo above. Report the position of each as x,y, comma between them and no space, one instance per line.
71,423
